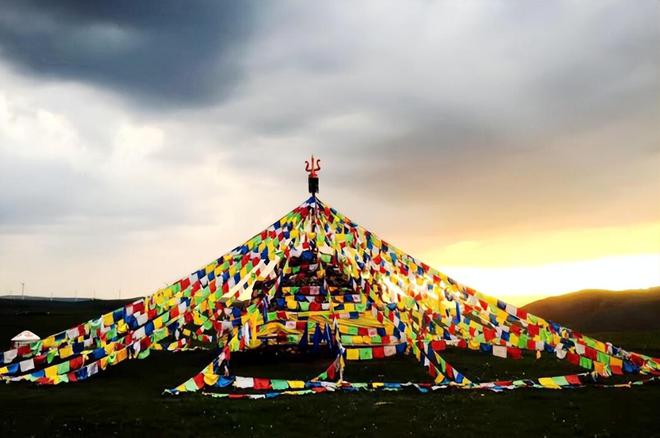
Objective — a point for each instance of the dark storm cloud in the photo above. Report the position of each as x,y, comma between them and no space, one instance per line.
479,107
176,52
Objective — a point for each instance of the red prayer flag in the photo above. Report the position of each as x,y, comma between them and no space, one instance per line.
76,362
260,383
513,352
438,345
199,380
573,379
573,358
533,330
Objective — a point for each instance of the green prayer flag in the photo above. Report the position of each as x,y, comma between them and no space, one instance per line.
279,385
603,357
560,380
366,354
63,368
585,362
190,385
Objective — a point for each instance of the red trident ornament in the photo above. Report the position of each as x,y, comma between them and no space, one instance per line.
312,167
315,167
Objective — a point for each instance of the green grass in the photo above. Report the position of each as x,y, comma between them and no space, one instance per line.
127,398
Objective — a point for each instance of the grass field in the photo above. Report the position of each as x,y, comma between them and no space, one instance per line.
127,399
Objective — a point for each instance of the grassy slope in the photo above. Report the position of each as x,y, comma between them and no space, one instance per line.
126,399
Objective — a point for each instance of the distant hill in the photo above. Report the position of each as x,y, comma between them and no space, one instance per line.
40,306
62,299
33,298
587,310
43,316
602,310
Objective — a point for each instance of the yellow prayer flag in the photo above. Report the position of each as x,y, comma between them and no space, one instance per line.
51,371
49,342
547,382
513,339
210,378
295,384
66,352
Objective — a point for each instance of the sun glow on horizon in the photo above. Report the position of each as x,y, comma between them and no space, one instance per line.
520,285
520,268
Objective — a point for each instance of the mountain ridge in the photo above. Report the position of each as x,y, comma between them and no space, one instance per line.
588,310
602,310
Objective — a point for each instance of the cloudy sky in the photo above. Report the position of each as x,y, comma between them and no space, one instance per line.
514,145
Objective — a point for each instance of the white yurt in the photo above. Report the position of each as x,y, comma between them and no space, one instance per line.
24,338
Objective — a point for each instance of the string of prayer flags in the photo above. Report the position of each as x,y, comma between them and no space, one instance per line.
314,281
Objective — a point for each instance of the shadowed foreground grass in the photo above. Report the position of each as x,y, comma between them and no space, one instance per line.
127,400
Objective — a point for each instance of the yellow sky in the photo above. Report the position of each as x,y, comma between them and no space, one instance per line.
519,268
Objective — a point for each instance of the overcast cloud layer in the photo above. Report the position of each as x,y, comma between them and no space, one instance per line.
139,140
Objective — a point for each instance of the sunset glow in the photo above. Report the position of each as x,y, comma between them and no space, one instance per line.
521,269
